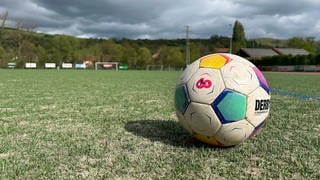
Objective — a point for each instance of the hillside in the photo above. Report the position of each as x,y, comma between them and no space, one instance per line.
271,42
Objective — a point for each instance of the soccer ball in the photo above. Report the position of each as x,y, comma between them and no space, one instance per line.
222,99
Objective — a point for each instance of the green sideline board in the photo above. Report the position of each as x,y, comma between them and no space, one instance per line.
12,65
123,67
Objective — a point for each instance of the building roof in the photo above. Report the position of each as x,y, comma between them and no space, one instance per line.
291,51
221,50
257,52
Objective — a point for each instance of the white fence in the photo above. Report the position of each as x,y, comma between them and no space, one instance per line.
303,68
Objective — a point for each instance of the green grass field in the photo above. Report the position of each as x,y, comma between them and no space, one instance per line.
102,124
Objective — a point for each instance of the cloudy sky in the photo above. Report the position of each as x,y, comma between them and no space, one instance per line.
167,18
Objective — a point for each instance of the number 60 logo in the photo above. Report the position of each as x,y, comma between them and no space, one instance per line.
203,83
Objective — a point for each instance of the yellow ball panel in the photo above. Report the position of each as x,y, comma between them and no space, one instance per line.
215,61
208,140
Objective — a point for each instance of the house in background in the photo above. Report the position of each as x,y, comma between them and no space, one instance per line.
258,53
221,50
291,51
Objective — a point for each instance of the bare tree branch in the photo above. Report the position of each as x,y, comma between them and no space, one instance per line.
19,39
30,26
3,18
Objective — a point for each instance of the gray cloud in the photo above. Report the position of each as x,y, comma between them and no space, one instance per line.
167,19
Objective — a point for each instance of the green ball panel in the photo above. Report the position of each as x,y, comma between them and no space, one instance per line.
181,99
230,106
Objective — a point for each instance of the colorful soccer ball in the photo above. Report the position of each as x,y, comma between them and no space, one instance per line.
222,99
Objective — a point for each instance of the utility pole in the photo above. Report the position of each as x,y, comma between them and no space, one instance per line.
187,46
230,39
18,29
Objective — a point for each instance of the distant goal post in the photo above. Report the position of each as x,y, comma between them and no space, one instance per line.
107,66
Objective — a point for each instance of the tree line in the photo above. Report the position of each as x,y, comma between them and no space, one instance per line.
21,44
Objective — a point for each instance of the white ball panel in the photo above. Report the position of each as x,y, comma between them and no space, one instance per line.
183,122
188,72
239,77
234,133
202,119
258,106
242,60
205,85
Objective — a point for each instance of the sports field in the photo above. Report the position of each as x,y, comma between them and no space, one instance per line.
102,124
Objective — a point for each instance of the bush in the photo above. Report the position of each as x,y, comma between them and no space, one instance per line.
289,60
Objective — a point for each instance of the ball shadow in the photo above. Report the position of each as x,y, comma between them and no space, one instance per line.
165,131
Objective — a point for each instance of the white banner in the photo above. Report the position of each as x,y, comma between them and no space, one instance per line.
67,65
80,66
31,65
50,65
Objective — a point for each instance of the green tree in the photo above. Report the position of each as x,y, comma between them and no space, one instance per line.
1,51
75,56
307,44
129,55
144,57
176,57
164,53
171,56
54,55
195,52
238,37
42,55
317,46
27,51
219,41
65,49
113,51
95,50
2,60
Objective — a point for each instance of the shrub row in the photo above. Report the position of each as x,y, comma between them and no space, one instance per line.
289,60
